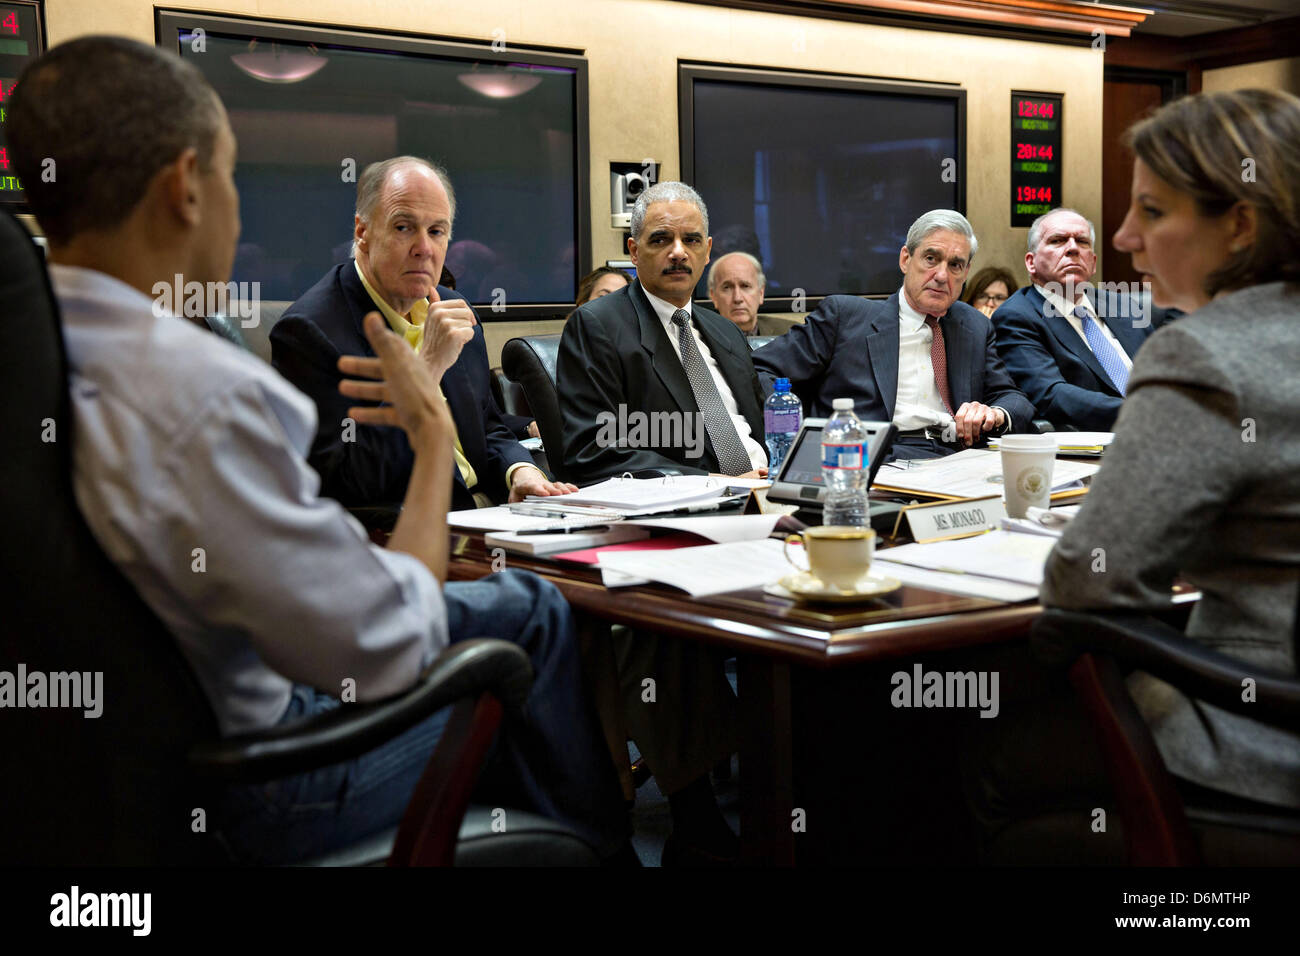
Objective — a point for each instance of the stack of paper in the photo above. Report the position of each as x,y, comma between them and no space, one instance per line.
645,494
711,569
1075,443
708,528
1000,565
564,541
973,473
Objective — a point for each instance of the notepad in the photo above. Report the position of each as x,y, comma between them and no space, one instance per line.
1075,443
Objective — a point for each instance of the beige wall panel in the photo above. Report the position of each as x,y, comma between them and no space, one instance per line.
1281,74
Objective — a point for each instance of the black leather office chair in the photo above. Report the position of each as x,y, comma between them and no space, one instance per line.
1159,829
530,361
228,329
508,393
124,787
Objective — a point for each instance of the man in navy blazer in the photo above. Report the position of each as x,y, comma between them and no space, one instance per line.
1067,345
405,208
920,358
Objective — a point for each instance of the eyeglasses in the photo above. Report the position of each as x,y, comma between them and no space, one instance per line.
989,298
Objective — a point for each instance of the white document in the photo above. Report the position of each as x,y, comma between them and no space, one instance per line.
967,585
499,518
719,529
645,494
1046,521
1004,555
973,473
544,544
617,579
708,569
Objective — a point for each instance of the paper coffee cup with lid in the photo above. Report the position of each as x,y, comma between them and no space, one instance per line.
1027,463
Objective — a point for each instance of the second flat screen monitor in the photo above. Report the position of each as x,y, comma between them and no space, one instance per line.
819,177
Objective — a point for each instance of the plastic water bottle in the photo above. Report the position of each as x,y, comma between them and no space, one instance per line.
845,443
782,416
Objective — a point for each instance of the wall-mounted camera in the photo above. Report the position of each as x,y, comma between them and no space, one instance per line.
627,181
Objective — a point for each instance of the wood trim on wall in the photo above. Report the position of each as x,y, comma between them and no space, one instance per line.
1062,20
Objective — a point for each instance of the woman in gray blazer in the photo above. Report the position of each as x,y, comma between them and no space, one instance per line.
1203,479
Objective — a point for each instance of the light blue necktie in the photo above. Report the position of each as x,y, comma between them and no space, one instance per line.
1105,352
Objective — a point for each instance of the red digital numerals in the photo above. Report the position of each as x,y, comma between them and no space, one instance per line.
1032,108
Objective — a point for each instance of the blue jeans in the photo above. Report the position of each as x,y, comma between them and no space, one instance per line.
552,760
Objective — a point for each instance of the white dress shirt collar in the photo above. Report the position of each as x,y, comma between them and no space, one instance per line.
1075,315
1062,305
664,309
908,314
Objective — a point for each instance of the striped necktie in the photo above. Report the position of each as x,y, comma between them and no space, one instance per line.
939,361
732,459
1105,352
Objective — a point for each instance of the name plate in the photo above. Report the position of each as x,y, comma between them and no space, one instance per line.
947,520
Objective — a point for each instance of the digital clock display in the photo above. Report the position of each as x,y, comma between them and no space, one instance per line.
1035,155
22,39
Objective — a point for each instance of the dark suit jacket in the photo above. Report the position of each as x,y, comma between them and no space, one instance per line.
1055,367
848,348
306,343
614,351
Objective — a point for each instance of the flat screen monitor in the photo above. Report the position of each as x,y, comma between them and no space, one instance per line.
312,106
819,176
800,480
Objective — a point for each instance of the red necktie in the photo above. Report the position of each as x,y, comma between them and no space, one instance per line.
939,360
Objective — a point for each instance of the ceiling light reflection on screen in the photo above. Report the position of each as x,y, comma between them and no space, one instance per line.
278,66
499,86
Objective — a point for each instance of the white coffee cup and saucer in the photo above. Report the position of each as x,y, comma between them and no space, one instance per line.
839,567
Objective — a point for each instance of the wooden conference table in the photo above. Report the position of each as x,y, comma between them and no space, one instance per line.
781,648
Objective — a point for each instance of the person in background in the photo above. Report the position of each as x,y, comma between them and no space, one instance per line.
521,426
647,349
736,286
405,213
1202,481
920,358
599,282
1068,344
641,347
989,288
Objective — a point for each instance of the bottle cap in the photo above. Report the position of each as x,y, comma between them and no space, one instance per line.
782,385
842,404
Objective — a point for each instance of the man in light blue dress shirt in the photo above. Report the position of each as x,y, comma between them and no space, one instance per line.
189,468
